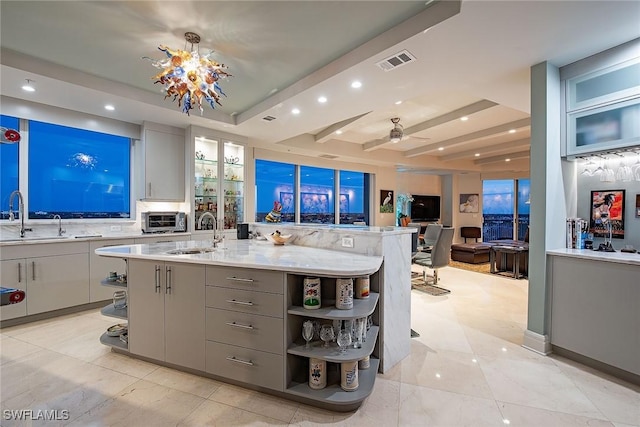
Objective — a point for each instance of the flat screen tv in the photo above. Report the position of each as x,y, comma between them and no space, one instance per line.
425,208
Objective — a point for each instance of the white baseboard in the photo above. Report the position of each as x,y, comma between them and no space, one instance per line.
536,342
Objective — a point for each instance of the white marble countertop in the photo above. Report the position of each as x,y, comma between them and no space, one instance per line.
341,228
619,257
10,240
255,254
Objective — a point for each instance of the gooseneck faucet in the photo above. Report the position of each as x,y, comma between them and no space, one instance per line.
60,230
20,210
208,215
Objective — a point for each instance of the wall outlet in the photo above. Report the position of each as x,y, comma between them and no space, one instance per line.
347,242
116,228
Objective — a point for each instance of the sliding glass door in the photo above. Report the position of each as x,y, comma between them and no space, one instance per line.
505,209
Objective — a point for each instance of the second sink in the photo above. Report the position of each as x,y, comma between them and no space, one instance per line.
190,251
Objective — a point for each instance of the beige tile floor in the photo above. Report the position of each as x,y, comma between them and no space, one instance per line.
467,368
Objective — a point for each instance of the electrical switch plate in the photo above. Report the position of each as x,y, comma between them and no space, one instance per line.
116,228
347,242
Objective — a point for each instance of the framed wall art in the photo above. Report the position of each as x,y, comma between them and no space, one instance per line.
607,213
386,201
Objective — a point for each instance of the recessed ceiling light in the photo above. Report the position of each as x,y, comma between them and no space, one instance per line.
477,154
464,118
322,99
109,107
398,102
28,86
506,160
512,131
295,111
338,132
356,84
440,148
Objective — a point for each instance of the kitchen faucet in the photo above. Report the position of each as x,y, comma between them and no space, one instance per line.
217,234
201,220
20,210
60,230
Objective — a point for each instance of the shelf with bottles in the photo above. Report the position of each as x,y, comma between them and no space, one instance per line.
332,394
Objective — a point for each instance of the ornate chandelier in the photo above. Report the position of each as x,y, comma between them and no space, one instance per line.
189,77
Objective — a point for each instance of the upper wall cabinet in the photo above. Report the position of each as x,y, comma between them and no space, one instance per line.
603,109
163,174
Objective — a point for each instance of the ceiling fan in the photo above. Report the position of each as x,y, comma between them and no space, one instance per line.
396,134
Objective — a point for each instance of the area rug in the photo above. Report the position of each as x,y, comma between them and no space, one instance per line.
478,268
418,284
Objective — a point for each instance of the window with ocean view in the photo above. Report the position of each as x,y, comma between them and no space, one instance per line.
505,209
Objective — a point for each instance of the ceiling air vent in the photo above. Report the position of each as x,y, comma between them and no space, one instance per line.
328,156
397,60
268,118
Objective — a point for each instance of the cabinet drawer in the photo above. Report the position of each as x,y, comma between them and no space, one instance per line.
245,301
246,278
245,330
246,365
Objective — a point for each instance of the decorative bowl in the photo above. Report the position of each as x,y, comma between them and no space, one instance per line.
278,239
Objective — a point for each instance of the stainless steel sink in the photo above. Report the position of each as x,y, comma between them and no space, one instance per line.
190,251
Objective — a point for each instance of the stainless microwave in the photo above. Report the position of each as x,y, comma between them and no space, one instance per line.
164,222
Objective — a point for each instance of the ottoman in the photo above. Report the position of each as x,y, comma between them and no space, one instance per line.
471,253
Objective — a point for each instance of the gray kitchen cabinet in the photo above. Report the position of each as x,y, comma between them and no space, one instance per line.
99,268
163,174
167,312
54,276
245,325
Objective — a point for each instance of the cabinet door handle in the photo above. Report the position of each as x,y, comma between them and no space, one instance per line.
19,272
149,189
240,325
240,279
232,301
157,290
33,270
167,289
236,360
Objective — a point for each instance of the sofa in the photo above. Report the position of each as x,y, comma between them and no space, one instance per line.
473,252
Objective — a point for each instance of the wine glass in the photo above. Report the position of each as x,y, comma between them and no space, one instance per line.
344,340
326,334
307,332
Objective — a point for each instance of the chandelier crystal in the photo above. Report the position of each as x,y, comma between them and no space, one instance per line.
189,77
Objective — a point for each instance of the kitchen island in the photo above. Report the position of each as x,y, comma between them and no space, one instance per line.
235,314
595,309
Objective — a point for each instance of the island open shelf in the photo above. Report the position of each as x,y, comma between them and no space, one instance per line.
333,394
111,311
113,342
361,308
332,354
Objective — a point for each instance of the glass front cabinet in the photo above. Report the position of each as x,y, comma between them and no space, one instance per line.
218,190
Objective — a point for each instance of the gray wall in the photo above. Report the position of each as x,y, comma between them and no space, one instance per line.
586,184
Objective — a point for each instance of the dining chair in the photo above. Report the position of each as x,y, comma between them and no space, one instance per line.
439,256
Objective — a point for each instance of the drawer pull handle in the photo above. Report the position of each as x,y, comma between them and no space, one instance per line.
244,362
232,301
240,279
239,325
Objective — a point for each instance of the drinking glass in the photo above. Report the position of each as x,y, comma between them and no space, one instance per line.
359,332
337,325
326,335
307,332
344,340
